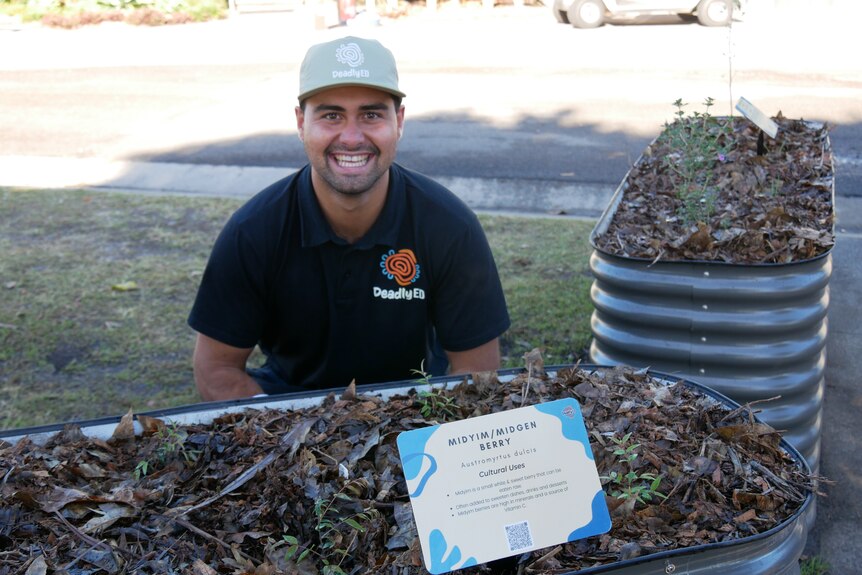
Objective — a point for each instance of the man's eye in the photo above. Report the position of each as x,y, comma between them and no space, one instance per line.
331,116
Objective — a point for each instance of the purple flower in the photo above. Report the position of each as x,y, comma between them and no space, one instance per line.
722,158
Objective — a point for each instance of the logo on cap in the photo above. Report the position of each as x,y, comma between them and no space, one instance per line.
350,54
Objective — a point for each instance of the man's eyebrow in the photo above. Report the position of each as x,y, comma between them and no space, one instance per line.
328,108
378,106
337,108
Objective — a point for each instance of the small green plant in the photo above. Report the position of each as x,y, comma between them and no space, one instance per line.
698,142
141,469
814,566
632,484
171,444
433,402
338,527
424,378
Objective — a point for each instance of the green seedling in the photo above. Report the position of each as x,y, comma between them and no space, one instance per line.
632,485
337,527
433,402
141,469
171,445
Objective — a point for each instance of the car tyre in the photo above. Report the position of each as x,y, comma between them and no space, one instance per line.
586,13
715,12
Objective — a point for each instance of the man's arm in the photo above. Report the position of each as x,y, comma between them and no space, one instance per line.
486,357
220,370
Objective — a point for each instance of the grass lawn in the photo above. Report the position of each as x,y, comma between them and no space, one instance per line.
95,289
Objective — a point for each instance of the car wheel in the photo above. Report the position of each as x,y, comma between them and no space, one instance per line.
586,13
715,12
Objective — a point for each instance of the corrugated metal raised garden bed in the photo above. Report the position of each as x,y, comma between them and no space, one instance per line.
737,297
228,488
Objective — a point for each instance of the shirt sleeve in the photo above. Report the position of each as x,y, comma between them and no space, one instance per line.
231,300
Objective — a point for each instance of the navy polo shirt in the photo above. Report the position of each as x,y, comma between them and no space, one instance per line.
326,312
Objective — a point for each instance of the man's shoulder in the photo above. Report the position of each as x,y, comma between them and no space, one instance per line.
274,201
431,198
418,183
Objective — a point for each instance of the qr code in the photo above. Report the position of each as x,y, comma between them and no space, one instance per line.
518,535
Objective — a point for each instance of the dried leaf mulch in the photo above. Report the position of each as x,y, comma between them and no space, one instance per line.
320,489
773,207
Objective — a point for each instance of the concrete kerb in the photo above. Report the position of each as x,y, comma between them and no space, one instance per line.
481,194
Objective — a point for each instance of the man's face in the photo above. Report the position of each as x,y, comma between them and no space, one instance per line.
350,136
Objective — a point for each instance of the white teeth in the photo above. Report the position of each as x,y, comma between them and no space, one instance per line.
351,161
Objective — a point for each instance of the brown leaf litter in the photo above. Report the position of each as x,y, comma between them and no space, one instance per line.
249,492
772,207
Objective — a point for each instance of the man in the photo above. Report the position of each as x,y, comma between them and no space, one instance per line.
353,268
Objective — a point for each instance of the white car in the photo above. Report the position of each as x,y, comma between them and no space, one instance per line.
592,13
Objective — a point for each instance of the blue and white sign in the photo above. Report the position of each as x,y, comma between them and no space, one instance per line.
503,484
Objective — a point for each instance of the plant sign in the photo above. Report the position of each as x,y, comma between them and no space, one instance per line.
524,479
754,114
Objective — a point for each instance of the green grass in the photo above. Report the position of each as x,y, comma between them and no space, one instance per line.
814,566
544,267
73,347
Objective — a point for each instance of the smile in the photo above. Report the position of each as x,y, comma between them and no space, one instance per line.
351,161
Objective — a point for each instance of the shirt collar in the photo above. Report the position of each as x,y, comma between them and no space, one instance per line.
316,230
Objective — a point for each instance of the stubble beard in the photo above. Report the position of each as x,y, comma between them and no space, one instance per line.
351,185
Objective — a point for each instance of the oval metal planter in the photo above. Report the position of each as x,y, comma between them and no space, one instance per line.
773,552
755,333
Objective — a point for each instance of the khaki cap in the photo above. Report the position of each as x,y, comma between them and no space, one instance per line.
348,61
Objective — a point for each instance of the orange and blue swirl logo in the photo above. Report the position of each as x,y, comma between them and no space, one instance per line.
400,266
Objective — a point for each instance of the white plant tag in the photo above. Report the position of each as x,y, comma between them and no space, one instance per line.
762,121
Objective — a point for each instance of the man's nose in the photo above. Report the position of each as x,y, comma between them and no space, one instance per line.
352,133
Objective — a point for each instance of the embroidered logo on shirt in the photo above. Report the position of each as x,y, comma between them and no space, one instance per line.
400,266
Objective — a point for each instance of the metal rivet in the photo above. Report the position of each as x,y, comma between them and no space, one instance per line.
706,274
670,568
705,306
702,370
703,339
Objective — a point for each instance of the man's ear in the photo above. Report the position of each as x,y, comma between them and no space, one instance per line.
300,122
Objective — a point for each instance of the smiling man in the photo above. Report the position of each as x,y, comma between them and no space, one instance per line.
354,268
